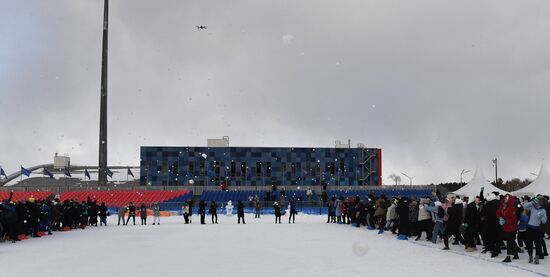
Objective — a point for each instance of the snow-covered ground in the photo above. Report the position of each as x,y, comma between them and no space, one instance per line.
260,248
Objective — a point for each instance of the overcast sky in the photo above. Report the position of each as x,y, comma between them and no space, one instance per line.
440,86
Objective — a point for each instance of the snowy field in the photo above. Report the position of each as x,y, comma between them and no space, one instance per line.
260,248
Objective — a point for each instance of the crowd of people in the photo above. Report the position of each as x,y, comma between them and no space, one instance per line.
492,221
187,210
36,217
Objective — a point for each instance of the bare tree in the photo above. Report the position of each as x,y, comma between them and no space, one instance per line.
396,178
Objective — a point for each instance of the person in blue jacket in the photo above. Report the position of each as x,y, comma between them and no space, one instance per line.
535,235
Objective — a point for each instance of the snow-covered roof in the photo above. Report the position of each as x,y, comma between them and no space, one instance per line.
541,185
473,187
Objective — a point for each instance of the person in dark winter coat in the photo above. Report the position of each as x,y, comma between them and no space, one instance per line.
46,218
102,212
472,222
292,211
131,213
454,221
214,212
491,225
33,216
143,214
257,208
402,210
240,212
11,220
331,210
93,212
202,211
57,216
277,212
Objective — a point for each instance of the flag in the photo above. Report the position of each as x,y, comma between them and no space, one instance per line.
3,173
67,172
25,171
109,172
47,172
130,173
87,174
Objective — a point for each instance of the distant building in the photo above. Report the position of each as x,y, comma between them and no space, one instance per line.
251,166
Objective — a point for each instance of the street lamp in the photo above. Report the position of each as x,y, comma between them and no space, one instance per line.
495,164
410,178
464,171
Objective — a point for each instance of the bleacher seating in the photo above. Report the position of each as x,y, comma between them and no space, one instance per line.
115,198
24,195
411,193
234,196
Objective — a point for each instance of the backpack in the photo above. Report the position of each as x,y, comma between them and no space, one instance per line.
440,212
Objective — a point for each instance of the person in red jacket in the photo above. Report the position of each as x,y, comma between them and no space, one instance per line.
508,219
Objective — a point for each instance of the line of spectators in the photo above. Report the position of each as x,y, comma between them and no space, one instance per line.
495,222
32,217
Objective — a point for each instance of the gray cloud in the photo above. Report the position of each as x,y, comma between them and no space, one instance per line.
439,85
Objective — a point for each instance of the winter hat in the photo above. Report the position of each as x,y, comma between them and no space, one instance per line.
491,197
458,201
437,203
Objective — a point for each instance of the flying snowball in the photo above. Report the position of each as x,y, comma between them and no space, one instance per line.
288,39
359,249
191,182
204,155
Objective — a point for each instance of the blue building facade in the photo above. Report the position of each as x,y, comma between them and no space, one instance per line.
258,166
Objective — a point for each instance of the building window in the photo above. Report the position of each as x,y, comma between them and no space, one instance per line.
342,167
318,169
217,169
308,169
332,168
243,169
175,168
258,169
293,170
202,167
164,167
283,169
191,168
268,169
233,168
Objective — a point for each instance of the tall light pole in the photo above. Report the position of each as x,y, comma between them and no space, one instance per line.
495,163
464,171
102,167
410,178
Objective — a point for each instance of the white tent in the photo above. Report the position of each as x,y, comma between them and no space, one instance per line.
541,185
473,188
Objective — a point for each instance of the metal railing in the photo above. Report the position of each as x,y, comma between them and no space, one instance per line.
198,190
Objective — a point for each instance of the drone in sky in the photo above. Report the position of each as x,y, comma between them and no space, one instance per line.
199,27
